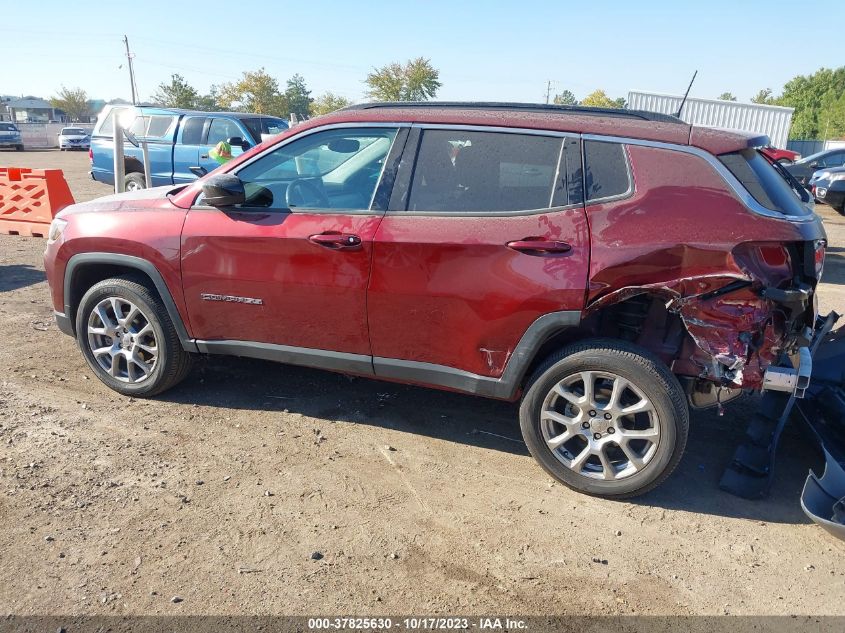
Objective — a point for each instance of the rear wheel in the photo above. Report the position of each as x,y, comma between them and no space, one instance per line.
128,339
19,148
134,181
605,418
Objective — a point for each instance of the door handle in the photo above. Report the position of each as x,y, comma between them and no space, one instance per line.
539,246
203,155
337,241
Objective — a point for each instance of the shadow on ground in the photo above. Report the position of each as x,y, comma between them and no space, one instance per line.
15,276
247,384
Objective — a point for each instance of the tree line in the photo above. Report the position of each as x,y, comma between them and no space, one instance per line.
818,99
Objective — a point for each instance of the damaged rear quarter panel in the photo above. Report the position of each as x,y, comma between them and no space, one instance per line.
682,235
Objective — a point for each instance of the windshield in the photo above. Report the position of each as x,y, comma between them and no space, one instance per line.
810,158
8,127
73,131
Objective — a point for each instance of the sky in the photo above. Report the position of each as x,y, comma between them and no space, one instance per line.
492,51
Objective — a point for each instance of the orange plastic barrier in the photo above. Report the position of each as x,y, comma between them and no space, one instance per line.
30,199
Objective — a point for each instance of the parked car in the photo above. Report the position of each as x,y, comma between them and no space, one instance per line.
10,136
782,156
178,141
74,138
803,169
828,186
609,268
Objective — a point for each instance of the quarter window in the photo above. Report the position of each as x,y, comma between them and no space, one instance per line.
606,168
457,171
333,169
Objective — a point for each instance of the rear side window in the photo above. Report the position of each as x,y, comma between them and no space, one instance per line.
192,130
607,174
764,184
106,128
459,171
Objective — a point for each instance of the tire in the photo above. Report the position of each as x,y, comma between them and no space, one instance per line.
134,181
130,337
546,414
19,148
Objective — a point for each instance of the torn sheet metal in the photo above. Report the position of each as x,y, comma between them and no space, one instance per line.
738,333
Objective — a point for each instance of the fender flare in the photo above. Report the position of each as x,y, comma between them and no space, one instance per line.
81,260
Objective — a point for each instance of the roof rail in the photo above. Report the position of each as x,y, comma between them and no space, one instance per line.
521,107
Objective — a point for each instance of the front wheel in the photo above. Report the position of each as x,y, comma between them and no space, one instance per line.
606,418
19,148
128,339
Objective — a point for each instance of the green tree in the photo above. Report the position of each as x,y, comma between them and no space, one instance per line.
176,94
726,96
565,98
328,102
298,97
599,99
417,80
764,97
815,98
73,102
255,92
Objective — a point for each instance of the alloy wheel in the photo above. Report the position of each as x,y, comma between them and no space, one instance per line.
122,340
600,425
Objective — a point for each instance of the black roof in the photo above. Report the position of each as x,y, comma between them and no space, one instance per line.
521,107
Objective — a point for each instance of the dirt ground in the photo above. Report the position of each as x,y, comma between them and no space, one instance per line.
419,501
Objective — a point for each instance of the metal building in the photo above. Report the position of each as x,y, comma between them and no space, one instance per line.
774,121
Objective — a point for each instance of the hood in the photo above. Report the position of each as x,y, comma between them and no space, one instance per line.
157,197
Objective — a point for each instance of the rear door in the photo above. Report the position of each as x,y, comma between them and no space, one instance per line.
291,266
486,232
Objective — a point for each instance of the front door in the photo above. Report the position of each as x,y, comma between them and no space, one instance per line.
291,266
487,234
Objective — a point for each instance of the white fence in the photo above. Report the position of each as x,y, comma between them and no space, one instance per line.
773,121
46,135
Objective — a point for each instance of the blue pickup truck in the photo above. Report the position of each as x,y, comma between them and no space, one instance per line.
178,141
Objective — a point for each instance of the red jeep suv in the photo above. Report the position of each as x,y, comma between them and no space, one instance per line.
610,268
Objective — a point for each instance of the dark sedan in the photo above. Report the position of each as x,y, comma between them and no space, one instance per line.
828,186
803,169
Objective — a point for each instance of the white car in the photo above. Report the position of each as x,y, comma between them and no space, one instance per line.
74,138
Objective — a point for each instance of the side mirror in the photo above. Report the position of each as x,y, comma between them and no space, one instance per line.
237,141
223,190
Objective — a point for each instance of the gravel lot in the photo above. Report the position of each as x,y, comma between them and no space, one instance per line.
419,501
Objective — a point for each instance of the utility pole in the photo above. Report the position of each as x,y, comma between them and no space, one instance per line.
129,57
548,90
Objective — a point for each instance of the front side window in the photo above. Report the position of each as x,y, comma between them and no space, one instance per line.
836,159
222,130
333,169
606,170
459,171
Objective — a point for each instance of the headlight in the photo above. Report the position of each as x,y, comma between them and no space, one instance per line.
836,177
57,227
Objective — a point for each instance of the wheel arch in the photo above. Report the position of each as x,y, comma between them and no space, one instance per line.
133,165
85,269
